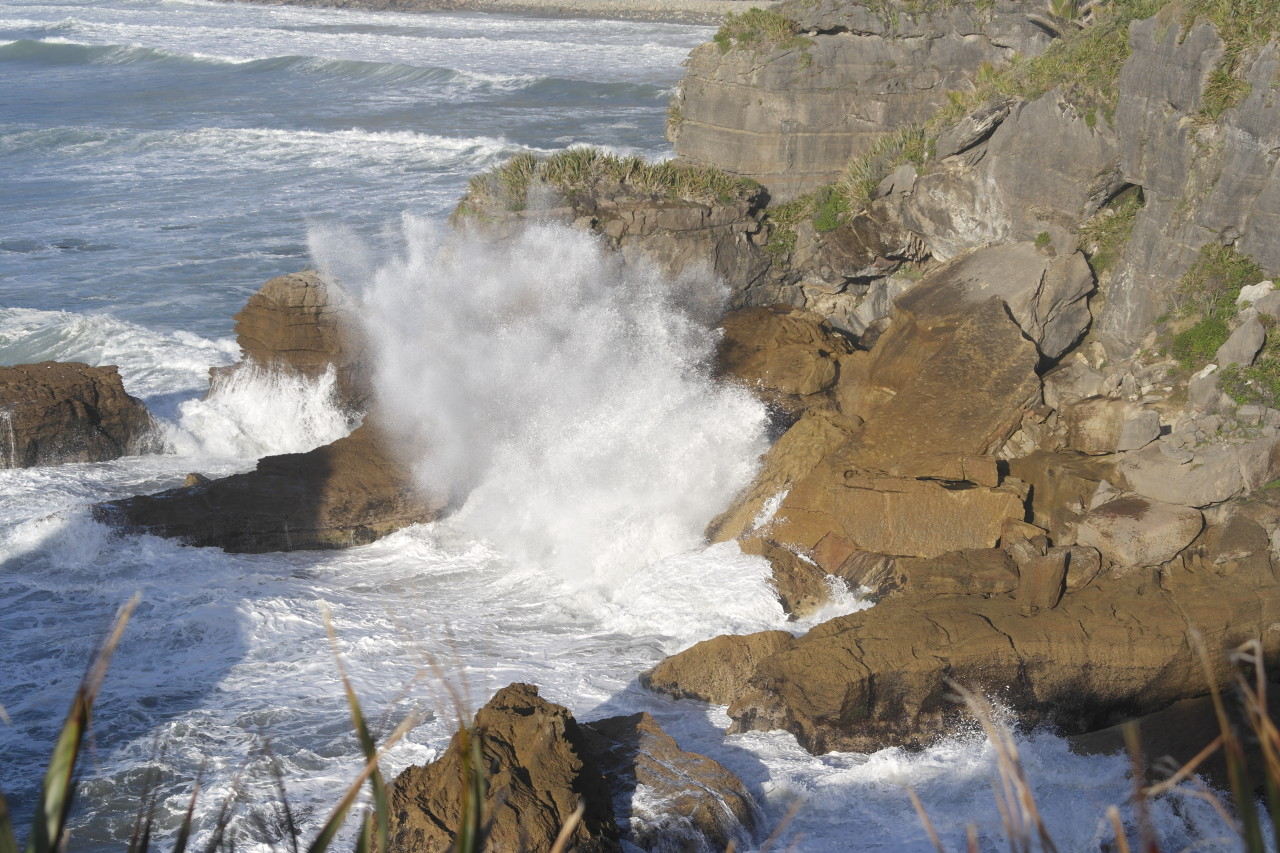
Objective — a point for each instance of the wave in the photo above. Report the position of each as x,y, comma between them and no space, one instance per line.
406,151
57,50
151,363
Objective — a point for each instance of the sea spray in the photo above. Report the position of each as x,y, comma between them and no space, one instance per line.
561,398
252,412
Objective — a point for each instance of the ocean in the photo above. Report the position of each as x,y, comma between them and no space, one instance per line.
159,160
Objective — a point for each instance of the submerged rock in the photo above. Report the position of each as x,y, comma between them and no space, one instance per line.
347,493
539,764
57,412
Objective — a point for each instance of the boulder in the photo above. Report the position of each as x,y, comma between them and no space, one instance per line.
1102,425
298,323
667,798
539,763
861,69
537,768
787,356
1047,295
880,677
1136,531
347,493
1243,345
1071,381
1201,476
57,412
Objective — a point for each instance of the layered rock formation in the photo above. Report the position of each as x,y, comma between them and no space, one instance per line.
347,493
298,323
540,764
791,112
56,412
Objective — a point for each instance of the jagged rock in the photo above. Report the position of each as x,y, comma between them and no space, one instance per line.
978,571
1114,648
298,323
1062,484
715,670
786,356
802,586
537,767
1135,531
1203,394
855,75
1044,169
1202,183
791,458
347,493
1101,425
1243,345
669,799
57,412
1072,380
1204,476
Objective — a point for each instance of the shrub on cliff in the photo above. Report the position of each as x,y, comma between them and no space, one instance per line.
759,29
575,170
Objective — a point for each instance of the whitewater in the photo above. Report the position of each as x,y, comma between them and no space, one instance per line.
159,160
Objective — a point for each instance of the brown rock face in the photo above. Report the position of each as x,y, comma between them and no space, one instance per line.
787,356
675,800
538,769
56,412
1113,649
347,493
540,763
296,323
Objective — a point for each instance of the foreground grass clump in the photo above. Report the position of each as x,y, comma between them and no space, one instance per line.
1208,292
759,29
574,170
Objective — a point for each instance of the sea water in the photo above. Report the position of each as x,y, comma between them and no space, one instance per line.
158,162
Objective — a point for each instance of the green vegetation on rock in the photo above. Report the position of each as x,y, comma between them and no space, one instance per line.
1243,26
1208,292
507,187
759,29
1105,235
866,170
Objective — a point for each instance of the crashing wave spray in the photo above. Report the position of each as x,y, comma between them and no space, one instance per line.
564,398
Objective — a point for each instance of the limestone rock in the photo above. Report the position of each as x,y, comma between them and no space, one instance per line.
1071,381
675,800
57,412
1243,345
347,493
802,585
786,356
856,75
299,323
1100,425
1204,476
978,571
1135,531
538,769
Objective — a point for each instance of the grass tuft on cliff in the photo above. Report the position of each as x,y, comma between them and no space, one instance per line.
1207,292
507,187
759,29
1244,26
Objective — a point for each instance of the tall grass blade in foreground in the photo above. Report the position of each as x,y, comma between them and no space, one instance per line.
58,789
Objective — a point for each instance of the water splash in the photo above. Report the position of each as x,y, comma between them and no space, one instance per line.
564,398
